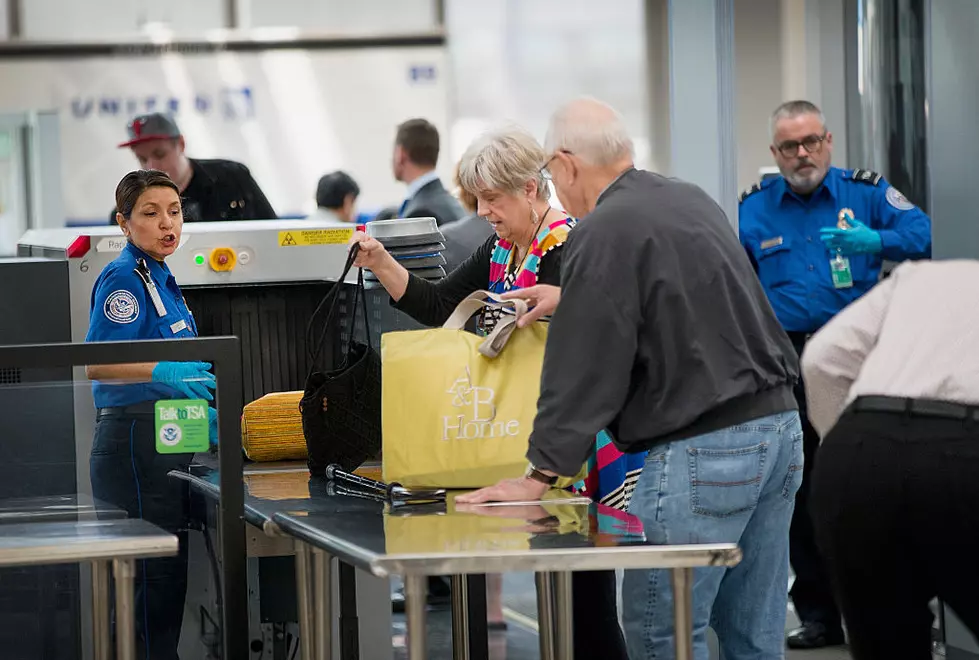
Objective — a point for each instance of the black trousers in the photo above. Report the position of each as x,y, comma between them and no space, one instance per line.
595,614
894,502
811,592
126,471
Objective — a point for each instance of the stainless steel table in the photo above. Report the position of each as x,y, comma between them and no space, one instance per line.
552,539
271,488
57,508
120,542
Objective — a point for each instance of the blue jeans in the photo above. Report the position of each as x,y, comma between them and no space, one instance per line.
734,485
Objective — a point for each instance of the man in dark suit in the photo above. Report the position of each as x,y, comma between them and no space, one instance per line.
416,152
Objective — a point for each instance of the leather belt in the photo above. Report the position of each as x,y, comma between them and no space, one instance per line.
143,409
917,407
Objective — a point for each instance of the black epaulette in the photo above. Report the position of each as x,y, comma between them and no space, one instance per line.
866,176
748,192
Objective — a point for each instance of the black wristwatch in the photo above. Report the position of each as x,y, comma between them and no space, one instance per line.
537,475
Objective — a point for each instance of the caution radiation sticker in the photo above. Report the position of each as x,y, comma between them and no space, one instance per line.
314,237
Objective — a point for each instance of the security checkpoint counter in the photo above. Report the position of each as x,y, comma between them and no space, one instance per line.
551,539
286,485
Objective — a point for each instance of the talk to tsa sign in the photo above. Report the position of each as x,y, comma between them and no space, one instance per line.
298,237
181,426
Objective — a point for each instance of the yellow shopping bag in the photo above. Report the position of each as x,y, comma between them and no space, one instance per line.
457,409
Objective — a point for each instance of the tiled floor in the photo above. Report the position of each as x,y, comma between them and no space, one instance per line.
519,642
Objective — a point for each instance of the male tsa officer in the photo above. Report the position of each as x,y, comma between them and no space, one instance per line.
817,236
211,190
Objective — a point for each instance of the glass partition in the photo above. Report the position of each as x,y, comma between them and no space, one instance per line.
91,433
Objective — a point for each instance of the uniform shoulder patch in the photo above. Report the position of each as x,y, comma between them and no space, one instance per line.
121,306
867,176
748,192
897,199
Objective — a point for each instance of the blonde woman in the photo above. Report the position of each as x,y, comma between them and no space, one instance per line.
504,171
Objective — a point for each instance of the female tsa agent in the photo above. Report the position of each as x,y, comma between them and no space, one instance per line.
503,170
136,297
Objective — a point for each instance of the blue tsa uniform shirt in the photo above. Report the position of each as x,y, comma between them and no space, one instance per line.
136,297
780,230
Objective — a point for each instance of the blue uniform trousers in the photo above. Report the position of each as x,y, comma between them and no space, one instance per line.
126,471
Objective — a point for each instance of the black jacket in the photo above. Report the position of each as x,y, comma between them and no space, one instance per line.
221,190
663,331
433,201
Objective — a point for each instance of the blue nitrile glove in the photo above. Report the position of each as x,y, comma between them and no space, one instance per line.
860,239
212,426
192,379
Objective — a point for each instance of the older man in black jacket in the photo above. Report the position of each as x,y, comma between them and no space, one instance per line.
663,335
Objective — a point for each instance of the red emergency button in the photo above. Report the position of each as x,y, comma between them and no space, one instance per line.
222,259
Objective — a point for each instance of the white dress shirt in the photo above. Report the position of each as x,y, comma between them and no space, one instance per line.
915,335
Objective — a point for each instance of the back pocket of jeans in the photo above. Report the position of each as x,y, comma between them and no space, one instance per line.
726,482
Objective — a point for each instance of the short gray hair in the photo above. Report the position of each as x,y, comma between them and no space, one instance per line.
791,109
504,159
590,129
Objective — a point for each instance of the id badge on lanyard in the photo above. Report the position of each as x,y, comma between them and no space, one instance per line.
839,266
143,271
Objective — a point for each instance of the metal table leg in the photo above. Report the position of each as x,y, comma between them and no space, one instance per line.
460,618
478,626
101,629
545,615
322,605
683,612
125,573
416,591
304,600
563,616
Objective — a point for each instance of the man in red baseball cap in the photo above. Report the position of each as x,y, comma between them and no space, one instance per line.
212,190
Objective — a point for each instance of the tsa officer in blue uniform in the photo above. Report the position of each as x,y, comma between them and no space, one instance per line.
817,237
136,297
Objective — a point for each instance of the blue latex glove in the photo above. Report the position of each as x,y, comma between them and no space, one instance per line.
192,379
860,239
212,426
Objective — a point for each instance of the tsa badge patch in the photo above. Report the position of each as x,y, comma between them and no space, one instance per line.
121,307
898,200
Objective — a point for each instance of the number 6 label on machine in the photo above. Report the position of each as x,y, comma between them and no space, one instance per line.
181,426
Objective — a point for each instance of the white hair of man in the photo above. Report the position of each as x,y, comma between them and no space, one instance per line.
791,109
591,130
504,159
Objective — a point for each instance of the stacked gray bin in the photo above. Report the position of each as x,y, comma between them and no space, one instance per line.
417,244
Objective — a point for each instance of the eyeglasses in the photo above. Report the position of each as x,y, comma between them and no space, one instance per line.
813,144
543,168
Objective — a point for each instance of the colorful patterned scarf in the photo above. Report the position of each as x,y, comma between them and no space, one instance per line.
548,238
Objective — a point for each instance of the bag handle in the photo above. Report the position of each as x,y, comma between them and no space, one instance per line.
476,301
332,296
495,341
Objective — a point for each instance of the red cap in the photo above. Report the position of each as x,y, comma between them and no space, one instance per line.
154,126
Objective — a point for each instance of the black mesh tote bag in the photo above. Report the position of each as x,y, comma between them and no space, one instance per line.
341,408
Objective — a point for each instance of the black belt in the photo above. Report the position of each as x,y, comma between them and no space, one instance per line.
143,409
916,407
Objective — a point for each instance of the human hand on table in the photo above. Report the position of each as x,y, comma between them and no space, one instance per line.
542,300
507,490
